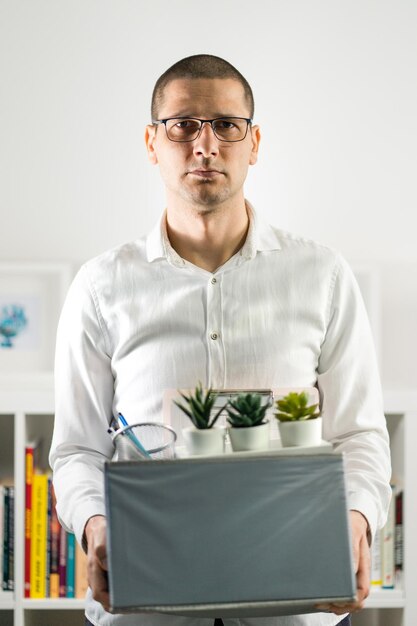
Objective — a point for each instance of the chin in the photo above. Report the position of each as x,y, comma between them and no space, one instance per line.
208,198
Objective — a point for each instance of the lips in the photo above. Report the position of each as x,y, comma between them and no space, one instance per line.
205,173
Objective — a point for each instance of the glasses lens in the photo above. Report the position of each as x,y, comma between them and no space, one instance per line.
182,130
230,128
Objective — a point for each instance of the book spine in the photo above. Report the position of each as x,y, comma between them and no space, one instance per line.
1,533
38,543
376,580
55,535
4,582
48,542
81,583
29,452
399,536
10,580
388,549
62,563
70,565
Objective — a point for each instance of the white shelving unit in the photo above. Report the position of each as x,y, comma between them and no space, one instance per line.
26,410
398,607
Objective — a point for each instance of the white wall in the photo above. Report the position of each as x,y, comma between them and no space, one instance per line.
336,96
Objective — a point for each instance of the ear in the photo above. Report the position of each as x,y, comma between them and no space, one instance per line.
150,138
256,138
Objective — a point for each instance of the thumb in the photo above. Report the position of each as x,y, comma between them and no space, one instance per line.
102,557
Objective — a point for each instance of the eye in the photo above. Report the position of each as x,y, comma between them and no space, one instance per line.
224,124
187,124
179,129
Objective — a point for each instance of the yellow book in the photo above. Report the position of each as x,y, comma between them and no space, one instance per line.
81,584
39,535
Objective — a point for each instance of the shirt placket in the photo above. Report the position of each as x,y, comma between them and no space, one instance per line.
215,336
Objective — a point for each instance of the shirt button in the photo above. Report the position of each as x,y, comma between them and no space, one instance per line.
214,336
213,281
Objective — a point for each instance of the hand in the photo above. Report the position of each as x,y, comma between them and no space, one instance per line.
95,534
362,564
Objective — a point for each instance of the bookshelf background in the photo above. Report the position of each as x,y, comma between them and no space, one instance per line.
26,410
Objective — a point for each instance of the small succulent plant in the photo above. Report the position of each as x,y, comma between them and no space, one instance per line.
199,407
247,410
294,407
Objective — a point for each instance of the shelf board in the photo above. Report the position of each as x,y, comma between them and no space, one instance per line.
53,603
6,600
386,599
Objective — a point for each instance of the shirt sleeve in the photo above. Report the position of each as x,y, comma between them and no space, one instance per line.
83,408
351,397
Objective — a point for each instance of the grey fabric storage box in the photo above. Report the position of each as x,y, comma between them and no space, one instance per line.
232,535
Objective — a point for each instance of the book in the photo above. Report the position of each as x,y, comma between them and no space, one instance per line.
388,549
30,450
5,577
81,582
1,533
399,536
38,536
48,540
10,580
62,563
55,531
70,590
376,580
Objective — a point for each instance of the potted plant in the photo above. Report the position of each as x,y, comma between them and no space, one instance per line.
202,438
249,430
299,423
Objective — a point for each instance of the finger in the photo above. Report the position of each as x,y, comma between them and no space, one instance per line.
99,587
363,576
340,609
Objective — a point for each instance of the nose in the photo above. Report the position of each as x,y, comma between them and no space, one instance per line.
206,144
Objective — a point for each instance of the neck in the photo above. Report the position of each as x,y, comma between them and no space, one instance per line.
208,238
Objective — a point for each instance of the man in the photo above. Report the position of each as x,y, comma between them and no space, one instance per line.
216,295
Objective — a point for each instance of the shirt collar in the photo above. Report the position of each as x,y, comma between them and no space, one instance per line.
261,237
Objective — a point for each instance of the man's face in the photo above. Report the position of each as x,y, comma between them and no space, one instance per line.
205,172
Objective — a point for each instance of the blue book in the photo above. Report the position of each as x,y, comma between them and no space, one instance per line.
70,565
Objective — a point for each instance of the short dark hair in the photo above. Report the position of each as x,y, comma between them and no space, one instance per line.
199,66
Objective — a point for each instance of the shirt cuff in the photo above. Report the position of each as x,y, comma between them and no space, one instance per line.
82,515
361,502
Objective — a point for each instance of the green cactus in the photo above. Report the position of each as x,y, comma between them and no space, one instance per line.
294,407
200,405
247,411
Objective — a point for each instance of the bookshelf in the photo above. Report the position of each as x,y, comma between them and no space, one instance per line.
26,409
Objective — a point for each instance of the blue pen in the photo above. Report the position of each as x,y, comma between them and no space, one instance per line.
134,439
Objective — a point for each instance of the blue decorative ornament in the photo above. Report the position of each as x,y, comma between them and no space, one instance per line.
12,321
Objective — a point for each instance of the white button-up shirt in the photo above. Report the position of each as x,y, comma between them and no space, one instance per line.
282,312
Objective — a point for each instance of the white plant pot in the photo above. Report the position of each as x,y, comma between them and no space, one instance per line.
249,438
301,433
204,442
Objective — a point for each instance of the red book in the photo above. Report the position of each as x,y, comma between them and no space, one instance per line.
29,465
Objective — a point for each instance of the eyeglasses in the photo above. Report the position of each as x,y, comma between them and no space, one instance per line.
184,129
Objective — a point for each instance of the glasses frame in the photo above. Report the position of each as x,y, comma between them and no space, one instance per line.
248,121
